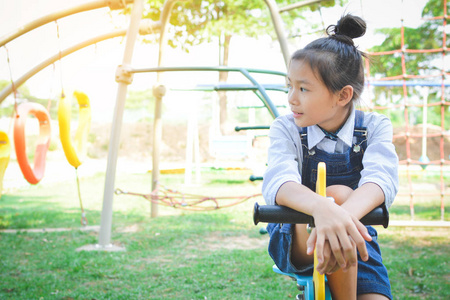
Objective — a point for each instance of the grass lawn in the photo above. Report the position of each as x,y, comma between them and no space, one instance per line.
216,254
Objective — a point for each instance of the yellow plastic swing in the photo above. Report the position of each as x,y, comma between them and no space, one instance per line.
76,149
5,154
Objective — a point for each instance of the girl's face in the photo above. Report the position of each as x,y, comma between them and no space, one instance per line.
310,100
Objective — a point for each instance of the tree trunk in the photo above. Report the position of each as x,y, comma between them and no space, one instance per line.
223,77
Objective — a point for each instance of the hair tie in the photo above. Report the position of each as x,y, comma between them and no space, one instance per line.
342,38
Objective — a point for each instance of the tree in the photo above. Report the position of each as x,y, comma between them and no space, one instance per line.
23,95
427,36
198,21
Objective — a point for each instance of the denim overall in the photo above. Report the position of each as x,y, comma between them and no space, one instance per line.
344,169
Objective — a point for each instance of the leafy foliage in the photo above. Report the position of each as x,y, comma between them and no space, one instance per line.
429,35
198,21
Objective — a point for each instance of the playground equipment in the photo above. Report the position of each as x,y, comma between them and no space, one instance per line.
35,174
75,150
438,81
186,201
314,287
123,77
5,153
125,72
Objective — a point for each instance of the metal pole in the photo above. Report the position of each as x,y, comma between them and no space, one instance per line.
113,4
145,28
159,92
246,72
424,158
298,5
124,77
279,29
8,90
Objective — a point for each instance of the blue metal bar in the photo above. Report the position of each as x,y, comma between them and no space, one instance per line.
233,87
246,72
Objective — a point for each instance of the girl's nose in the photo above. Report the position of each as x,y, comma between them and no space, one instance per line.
293,97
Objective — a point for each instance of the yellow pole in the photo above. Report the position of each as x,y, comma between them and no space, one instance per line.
318,279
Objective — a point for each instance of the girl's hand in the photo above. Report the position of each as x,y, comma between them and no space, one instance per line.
334,225
332,265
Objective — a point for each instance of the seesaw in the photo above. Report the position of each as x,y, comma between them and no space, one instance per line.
314,287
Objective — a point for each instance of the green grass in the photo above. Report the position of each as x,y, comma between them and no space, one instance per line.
180,254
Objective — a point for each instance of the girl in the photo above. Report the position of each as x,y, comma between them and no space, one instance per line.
324,80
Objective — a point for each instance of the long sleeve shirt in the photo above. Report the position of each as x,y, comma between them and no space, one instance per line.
285,154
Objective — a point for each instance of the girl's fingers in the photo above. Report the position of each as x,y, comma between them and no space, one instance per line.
332,266
311,242
336,248
352,253
363,231
348,249
357,235
320,242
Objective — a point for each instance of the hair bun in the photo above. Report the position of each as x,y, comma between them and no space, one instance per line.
350,26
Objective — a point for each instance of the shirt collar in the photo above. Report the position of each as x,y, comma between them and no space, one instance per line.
316,135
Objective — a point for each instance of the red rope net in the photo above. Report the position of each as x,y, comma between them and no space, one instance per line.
176,199
436,79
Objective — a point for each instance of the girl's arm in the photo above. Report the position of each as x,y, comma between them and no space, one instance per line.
371,194
380,164
333,224
340,193
350,200
364,199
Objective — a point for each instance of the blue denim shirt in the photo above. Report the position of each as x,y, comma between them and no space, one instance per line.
285,154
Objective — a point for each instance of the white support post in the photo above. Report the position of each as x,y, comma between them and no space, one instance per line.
279,29
192,146
157,91
104,241
424,158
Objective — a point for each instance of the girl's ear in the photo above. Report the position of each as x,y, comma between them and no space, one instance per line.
345,95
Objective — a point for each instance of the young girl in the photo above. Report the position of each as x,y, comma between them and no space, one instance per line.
324,80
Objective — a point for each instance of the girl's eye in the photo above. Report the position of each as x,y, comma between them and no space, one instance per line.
288,86
302,89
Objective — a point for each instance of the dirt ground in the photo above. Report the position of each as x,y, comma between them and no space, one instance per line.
137,142
433,143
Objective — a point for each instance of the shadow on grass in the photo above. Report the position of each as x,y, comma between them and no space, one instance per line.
39,213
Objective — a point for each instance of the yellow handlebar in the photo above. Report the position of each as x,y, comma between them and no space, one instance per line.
318,279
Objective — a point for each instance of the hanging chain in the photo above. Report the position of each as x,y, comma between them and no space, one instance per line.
60,59
84,220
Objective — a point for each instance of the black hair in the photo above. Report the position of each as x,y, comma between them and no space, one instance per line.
335,59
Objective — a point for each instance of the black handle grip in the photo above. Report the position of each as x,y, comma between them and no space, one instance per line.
282,214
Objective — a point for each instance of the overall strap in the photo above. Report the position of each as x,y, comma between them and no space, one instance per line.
360,132
303,131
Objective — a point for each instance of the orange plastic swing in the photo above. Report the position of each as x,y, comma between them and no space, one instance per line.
5,153
32,175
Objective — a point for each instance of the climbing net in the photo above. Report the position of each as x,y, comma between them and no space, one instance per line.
428,90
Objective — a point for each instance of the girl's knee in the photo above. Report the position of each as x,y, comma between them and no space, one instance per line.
340,193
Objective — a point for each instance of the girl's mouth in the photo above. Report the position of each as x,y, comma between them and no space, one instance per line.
297,115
